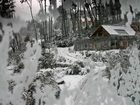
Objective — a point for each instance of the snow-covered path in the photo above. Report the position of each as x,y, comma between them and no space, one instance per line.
70,56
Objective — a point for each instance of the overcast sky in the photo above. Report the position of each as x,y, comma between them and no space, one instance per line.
22,10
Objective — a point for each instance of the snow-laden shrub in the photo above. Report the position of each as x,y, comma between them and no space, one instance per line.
80,63
84,71
61,59
64,43
18,68
21,65
42,89
14,58
27,38
46,61
96,57
87,54
11,86
112,58
77,68
125,76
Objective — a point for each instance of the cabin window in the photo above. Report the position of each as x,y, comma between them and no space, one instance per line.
112,43
124,44
121,31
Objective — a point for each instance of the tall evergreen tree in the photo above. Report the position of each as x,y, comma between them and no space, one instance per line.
7,8
118,9
112,12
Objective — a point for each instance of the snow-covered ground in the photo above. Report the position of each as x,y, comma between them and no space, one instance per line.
86,89
89,88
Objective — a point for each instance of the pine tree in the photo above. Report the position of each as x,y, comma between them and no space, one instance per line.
112,12
118,9
7,8
127,82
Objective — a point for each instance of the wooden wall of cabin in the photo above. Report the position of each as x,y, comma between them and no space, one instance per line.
122,42
104,43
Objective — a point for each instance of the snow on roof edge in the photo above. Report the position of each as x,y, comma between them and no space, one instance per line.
111,30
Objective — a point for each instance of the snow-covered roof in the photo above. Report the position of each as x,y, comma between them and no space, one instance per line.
119,30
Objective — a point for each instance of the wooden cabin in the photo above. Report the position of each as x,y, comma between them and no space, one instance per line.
107,37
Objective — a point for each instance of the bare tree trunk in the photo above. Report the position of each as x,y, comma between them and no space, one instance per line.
51,28
63,21
73,21
85,15
45,32
30,7
90,15
89,12
80,19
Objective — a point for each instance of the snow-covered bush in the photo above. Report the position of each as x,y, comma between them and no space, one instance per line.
43,88
80,63
14,58
27,38
11,86
77,68
84,71
97,57
111,59
18,68
46,61
64,43
125,76
87,54
61,59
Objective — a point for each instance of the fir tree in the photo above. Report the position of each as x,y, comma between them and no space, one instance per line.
118,9
112,12
7,8
127,82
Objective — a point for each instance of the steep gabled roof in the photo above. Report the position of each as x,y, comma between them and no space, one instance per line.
119,30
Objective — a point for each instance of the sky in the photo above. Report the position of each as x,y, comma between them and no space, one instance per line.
23,11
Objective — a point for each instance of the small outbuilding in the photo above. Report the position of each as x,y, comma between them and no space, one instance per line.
107,37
